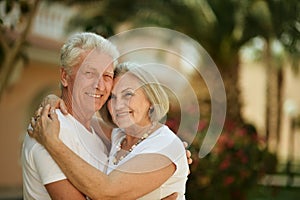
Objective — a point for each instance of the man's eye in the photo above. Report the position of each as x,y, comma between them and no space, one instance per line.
89,74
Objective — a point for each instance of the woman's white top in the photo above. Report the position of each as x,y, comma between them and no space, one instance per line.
164,142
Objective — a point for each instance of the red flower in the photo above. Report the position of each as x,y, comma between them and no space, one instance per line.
242,156
224,164
172,124
228,180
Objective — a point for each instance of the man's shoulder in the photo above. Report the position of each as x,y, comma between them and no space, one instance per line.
29,143
68,125
65,120
31,151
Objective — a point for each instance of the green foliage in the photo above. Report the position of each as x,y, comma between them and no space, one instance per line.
236,163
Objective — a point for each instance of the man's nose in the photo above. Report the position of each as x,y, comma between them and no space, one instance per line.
99,84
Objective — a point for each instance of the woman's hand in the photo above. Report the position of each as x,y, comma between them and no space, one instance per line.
45,126
55,102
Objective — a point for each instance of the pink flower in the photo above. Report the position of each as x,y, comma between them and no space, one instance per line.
202,125
230,143
241,132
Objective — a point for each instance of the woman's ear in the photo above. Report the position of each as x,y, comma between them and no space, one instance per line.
63,77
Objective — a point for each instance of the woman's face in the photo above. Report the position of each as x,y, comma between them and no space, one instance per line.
128,104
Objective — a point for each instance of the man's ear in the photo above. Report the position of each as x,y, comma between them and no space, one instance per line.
63,77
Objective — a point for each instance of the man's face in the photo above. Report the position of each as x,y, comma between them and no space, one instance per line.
91,82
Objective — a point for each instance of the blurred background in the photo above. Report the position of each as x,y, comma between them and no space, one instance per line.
254,43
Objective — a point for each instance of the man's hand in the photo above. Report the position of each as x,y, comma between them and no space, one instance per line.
188,155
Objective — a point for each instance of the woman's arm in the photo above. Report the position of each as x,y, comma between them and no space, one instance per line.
103,130
121,183
97,185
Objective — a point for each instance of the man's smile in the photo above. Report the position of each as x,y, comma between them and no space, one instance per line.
94,95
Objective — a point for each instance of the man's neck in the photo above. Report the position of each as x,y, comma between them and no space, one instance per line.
78,114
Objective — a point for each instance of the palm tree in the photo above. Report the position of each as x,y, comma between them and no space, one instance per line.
279,23
221,27
286,30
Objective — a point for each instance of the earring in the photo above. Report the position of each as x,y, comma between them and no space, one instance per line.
151,109
150,112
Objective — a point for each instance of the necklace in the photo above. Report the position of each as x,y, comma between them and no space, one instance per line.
119,147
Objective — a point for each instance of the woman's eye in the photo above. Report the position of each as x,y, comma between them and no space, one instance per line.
128,94
112,96
108,77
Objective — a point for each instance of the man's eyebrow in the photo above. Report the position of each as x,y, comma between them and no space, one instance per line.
90,67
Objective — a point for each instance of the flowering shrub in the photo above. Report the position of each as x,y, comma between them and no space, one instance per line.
235,164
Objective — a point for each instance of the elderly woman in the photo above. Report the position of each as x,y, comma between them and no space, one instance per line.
147,160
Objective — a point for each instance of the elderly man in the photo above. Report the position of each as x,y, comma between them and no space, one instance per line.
86,80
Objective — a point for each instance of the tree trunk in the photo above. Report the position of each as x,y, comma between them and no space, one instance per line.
230,75
280,82
272,102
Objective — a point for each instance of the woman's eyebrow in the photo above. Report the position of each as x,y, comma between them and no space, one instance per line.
126,89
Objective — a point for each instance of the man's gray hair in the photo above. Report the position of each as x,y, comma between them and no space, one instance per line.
79,43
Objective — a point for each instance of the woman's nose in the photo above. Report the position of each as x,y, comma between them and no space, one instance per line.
119,103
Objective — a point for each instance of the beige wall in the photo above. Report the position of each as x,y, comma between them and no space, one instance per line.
15,111
253,87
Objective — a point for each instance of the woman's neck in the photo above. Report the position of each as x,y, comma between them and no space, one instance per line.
136,133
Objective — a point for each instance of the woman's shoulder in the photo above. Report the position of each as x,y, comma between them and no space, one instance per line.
164,138
164,133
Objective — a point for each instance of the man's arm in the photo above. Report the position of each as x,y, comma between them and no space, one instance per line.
63,190
58,187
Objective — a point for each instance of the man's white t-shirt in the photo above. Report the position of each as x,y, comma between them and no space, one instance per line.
40,169
164,142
